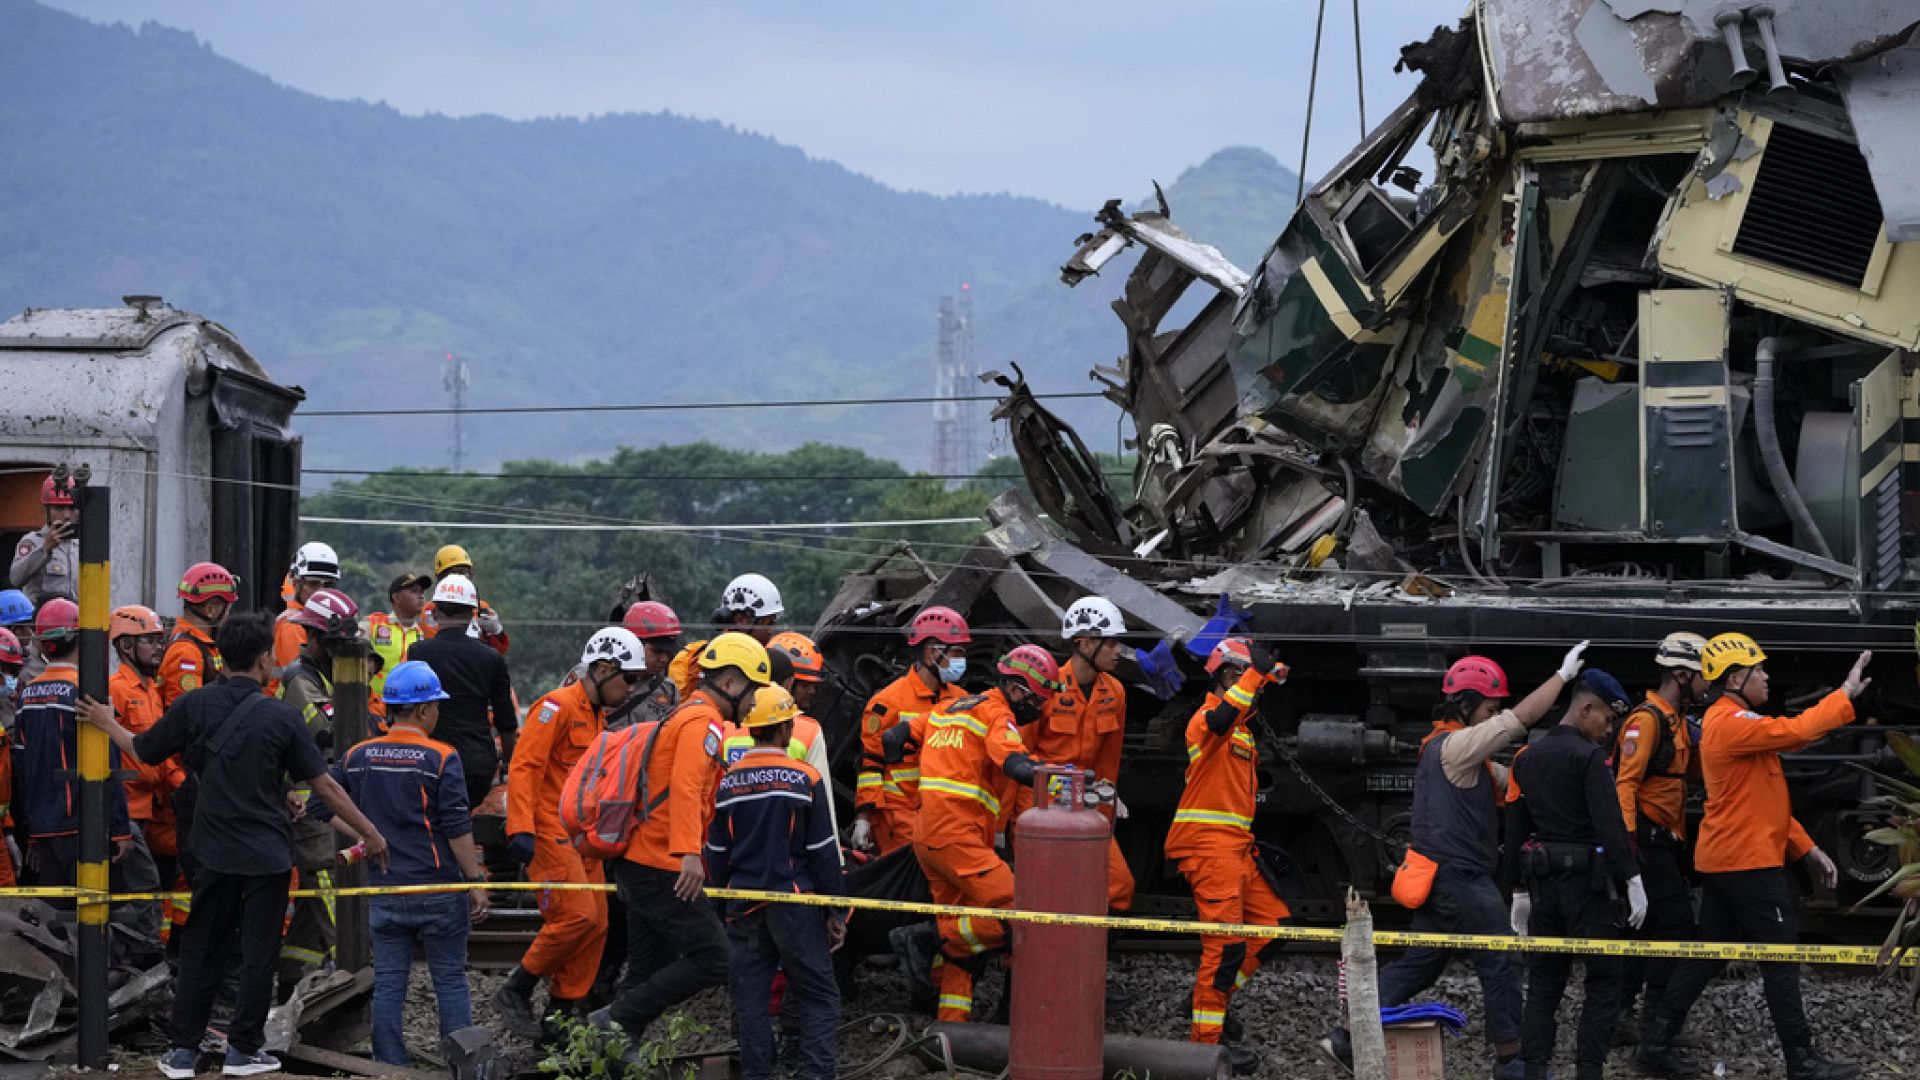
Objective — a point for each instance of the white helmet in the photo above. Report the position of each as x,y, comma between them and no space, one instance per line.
1092,616
754,593
615,643
456,589
316,560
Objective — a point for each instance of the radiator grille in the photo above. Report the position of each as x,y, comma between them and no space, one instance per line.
1813,209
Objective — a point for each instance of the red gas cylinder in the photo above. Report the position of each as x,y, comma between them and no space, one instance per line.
1059,1014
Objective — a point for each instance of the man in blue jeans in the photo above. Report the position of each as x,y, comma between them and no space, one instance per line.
1456,825
771,831
413,790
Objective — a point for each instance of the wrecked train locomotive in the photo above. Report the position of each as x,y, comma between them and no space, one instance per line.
1608,331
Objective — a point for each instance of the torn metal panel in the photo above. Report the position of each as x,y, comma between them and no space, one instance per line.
1565,58
1064,476
1156,231
1883,101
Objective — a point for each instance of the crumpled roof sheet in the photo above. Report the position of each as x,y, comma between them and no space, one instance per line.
1559,59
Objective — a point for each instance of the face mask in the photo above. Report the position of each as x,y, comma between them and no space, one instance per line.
1027,710
953,669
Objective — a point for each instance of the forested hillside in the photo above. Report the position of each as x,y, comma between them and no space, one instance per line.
614,259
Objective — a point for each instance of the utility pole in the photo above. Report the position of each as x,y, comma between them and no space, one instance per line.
96,776
954,447
455,381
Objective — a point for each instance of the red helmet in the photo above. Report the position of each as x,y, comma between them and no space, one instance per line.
54,494
1035,665
329,611
205,580
1234,650
58,618
941,624
10,650
651,619
808,664
1478,674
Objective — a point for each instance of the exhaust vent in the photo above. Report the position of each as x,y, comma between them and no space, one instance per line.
1813,209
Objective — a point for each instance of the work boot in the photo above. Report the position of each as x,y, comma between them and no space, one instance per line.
514,1000
1510,1069
1658,1057
1241,1060
914,945
1338,1045
1806,1063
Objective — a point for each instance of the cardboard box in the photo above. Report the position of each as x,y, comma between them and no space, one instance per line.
1414,1051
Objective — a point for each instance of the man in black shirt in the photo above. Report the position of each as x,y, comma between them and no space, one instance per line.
474,676
240,748
1565,833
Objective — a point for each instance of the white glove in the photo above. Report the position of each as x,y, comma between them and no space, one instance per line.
1636,902
1119,809
1570,663
861,838
1522,910
1824,872
490,624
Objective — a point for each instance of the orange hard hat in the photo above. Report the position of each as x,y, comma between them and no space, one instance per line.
808,664
132,620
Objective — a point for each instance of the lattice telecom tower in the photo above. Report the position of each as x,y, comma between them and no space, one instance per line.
955,429
455,381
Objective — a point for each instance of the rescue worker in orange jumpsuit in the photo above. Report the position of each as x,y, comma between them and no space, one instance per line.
315,567
207,592
1746,837
887,794
138,640
1087,722
484,623
1654,759
661,880
750,604
559,728
972,760
1212,837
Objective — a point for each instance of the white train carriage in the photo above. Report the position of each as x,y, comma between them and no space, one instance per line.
172,412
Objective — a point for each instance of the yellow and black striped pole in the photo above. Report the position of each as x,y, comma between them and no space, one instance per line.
353,947
96,777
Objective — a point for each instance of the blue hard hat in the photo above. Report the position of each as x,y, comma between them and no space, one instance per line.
15,608
1606,688
412,683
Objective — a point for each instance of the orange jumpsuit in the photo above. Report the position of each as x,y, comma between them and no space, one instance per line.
1659,797
136,700
288,637
1212,842
189,663
687,762
963,787
1085,727
890,794
1749,821
559,728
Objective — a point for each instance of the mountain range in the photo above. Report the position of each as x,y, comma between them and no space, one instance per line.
621,258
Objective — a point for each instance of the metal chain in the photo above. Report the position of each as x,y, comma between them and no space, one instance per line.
1393,847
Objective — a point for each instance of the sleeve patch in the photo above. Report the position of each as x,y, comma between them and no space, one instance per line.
1630,745
188,665
25,549
712,744
189,682
1746,714
548,711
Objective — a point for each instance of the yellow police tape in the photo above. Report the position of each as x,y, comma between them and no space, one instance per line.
1399,939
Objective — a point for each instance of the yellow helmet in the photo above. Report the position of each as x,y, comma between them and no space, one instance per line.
1728,651
771,705
451,556
737,650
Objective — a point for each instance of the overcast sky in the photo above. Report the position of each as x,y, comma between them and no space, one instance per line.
1069,100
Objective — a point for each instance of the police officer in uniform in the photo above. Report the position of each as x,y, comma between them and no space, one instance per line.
1565,833
47,563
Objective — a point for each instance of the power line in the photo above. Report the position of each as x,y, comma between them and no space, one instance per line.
684,406
742,478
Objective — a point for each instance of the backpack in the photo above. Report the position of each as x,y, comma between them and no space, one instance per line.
605,797
1662,754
